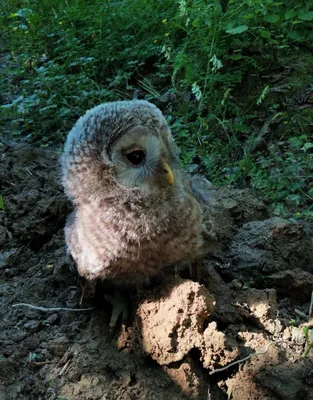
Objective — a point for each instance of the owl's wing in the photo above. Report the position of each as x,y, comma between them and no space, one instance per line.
201,188
73,246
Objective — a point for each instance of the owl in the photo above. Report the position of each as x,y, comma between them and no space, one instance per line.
134,210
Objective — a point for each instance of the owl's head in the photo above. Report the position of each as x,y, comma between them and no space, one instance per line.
131,139
144,154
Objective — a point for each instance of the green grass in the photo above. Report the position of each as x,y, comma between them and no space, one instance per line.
218,69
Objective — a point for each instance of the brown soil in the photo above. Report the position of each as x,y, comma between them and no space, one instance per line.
254,296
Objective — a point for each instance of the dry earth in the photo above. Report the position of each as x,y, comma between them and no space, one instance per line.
254,296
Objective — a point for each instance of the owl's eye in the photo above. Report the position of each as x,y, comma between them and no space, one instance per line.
135,157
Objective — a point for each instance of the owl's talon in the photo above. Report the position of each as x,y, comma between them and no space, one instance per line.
70,262
120,306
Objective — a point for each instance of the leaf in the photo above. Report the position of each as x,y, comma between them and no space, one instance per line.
272,18
307,146
236,57
237,30
195,23
18,100
265,34
306,331
25,12
262,95
1,203
249,16
295,35
294,199
305,15
43,109
290,14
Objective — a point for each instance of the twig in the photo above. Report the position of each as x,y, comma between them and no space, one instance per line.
65,366
39,363
301,313
28,171
241,361
311,306
253,144
47,309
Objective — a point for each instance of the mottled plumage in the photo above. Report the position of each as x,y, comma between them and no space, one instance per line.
129,221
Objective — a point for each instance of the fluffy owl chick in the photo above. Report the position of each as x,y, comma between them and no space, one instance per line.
134,211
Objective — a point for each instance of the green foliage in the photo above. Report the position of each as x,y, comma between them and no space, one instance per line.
66,57
1,203
284,175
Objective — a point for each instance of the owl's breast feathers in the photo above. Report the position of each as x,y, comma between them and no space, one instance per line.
127,241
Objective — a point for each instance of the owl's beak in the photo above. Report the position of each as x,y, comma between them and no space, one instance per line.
169,176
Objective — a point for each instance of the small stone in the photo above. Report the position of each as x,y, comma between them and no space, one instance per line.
193,168
262,248
5,257
237,284
32,326
4,288
10,272
3,234
201,188
18,336
7,352
287,334
292,282
51,319
58,346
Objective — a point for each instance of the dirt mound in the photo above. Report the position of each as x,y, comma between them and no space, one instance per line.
227,208
184,335
274,245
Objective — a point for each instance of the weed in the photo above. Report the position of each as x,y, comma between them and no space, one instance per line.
308,333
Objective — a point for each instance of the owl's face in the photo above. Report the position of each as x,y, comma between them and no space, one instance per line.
145,160
124,142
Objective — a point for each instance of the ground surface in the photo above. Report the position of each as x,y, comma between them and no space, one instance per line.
180,330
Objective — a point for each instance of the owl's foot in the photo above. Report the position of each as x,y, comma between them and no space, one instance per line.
195,270
120,308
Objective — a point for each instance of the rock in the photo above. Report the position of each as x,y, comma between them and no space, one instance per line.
242,204
261,303
18,336
51,319
3,234
4,289
227,208
58,346
201,188
10,272
5,257
266,247
172,321
225,309
188,376
217,347
261,306
287,381
294,283
242,384
32,326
